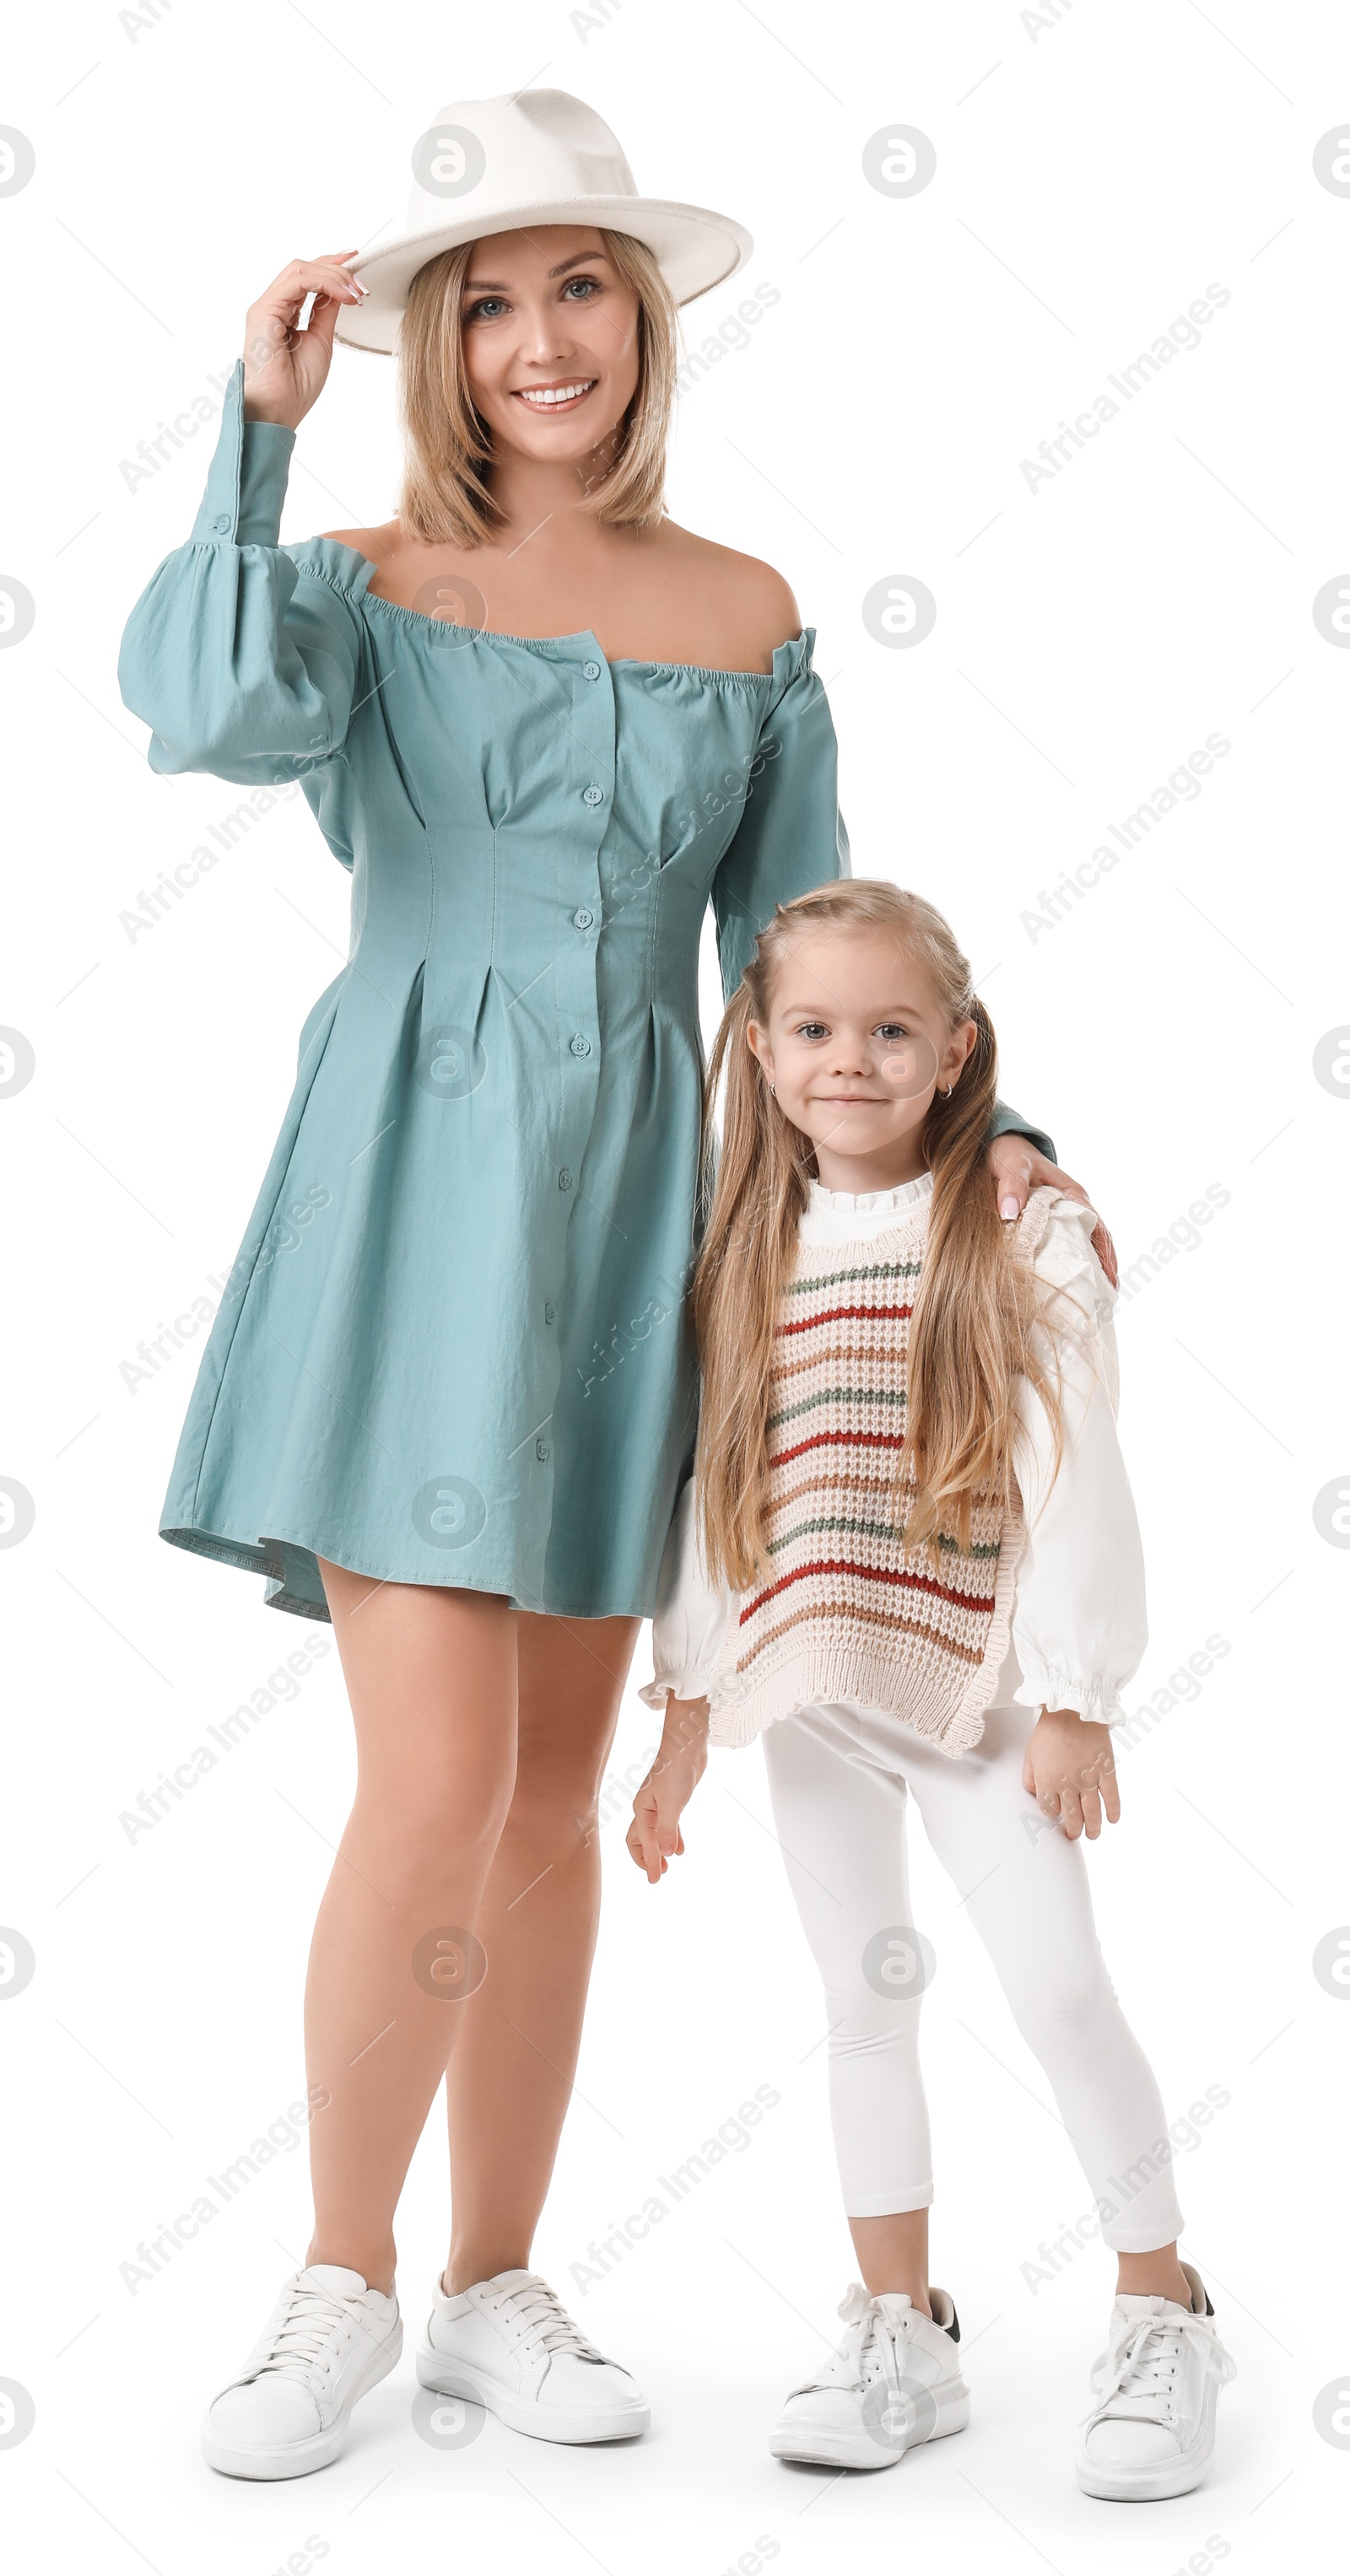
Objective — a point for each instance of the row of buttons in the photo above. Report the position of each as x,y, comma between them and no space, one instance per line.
582,919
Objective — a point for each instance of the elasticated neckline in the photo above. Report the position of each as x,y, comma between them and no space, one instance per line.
549,644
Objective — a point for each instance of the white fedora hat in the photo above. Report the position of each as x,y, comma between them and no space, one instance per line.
498,165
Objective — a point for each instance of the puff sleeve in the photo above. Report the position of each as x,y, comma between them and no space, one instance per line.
791,835
1080,1624
243,662
691,1615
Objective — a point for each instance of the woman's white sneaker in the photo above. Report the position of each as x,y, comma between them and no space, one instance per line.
327,2342
1151,2433
895,2381
510,2344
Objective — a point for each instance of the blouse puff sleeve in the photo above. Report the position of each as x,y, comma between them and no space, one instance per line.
1079,1624
242,662
1079,1628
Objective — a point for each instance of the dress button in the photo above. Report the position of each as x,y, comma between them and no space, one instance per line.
591,670
219,526
581,1045
548,1314
542,1449
593,795
564,1178
582,919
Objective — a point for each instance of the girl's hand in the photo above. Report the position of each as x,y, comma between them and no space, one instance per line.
1070,1771
654,1835
285,368
1018,1170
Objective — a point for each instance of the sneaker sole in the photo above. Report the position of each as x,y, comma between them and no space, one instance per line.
522,2414
830,2449
300,2459
1145,2486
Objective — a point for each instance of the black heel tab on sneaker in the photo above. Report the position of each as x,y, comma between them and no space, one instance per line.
954,2329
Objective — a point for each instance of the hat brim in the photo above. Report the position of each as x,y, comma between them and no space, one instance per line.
694,249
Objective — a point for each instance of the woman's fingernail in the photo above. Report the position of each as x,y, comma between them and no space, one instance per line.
1009,1206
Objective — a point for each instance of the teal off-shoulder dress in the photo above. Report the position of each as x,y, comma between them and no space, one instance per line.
453,1348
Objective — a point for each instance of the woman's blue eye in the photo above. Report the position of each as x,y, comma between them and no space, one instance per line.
490,307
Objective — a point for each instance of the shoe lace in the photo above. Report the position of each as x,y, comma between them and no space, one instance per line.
303,2342
541,2320
1139,2375
868,2352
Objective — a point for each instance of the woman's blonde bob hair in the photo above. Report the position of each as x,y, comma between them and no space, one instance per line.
446,497
973,1331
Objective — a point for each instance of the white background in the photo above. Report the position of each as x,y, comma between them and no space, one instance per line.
1094,176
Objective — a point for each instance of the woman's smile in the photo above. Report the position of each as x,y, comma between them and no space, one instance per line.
564,396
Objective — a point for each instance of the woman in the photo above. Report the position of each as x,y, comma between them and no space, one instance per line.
448,1402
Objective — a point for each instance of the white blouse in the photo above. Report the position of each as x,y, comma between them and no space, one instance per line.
1079,1628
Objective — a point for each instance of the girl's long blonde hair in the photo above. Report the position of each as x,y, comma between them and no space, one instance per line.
446,497
971,1335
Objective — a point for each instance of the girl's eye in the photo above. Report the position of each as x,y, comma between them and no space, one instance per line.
890,1029
811,1029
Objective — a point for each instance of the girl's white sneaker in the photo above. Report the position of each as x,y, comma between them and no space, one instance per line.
1151,2433
510,2344
327,2342
894,2381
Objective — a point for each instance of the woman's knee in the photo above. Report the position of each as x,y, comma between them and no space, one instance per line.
559,1777
416,1831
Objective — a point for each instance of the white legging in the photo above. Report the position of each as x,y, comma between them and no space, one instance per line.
838,1779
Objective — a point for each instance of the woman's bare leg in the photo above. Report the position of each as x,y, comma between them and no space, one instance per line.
431,1676
510,2080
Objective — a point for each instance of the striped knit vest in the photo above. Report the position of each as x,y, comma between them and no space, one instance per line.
846,1611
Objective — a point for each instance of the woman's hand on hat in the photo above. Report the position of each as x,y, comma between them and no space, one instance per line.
284,367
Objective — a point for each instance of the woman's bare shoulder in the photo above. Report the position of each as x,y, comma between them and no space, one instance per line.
745,598
376,544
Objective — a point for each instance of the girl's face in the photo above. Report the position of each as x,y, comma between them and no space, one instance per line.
856,1046
550,341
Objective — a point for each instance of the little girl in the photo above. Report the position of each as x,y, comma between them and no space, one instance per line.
909,1556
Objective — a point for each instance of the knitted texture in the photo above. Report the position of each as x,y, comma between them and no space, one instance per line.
845,1609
